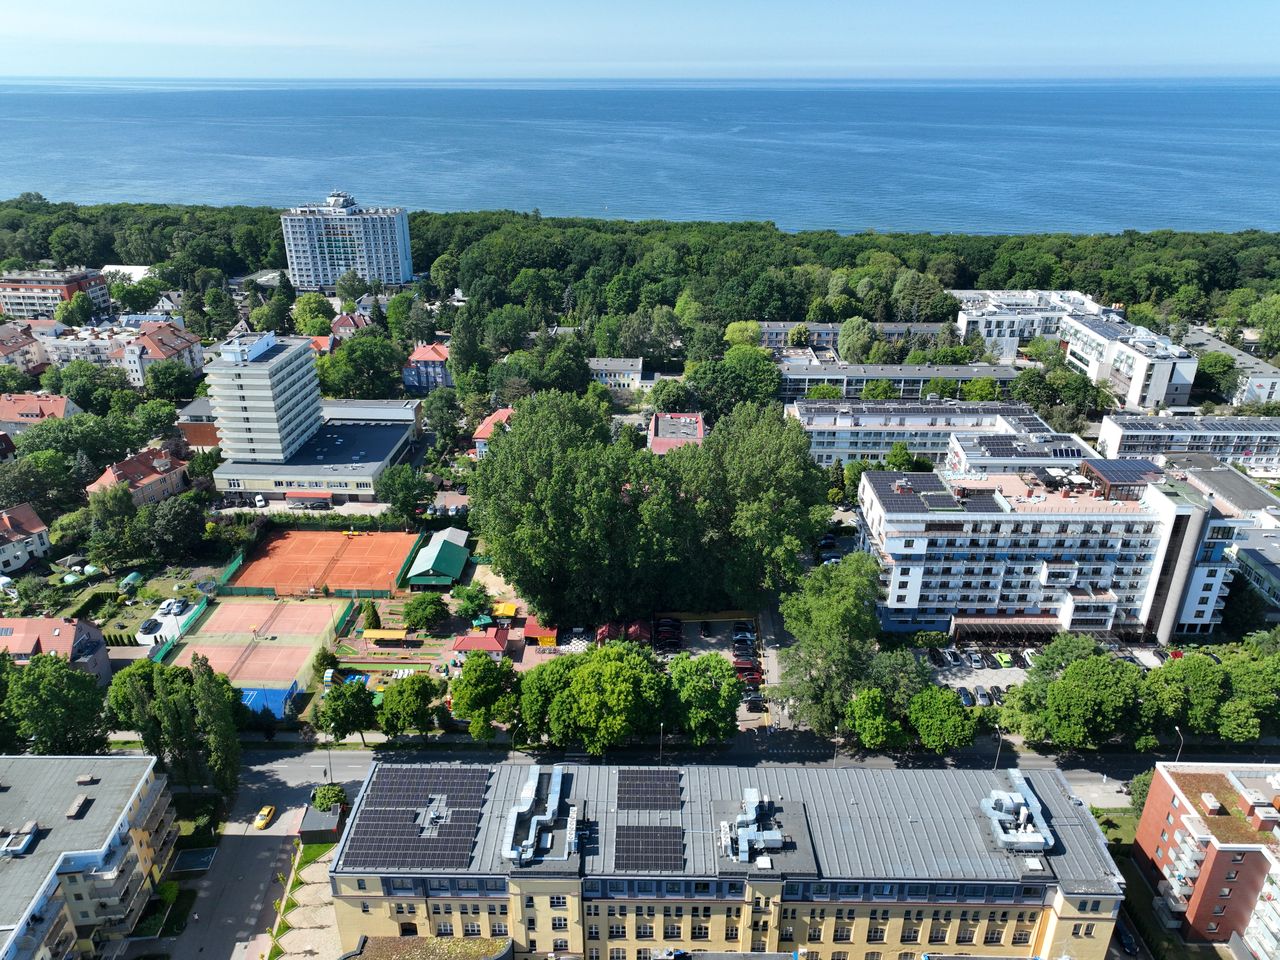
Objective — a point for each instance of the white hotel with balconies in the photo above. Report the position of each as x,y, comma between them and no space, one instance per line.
325,240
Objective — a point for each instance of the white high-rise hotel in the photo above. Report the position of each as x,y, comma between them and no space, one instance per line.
325,240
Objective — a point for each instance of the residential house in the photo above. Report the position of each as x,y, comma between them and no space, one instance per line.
497,420
617,373
427,369
77,641
345,324
18,411
18,348
152,475
156,342
23,537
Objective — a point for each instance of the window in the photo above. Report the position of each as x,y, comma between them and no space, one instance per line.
786,933
730,932
875,935
533,946
559,902
1213,927
471,929
1219,909
700,931
1159,852
1237,858
593,931
528,901
644,953
843,934
1164,835
615,953
361,885
910,935
815,934
1095,906
364,908
559,923
1088,929
906,955
444,928
617,931
530,923
965,936
993,935
872,955
1224,893
498,928
644,931
1021,937
1231,875
671,931
593,953
1082,906
839,955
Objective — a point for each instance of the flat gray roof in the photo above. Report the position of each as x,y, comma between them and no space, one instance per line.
336,449
1141,423
856,824
1212,475
890,371
616,363
915,408
42,789
1201,341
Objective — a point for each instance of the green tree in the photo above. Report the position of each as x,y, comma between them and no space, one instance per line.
403,487
1139,787
348,708
444,274
1093,701
424,611
485,692
670,396
411,703
327,795
155,418
171,380
943,387
900,457
175,527
745,375
707,691
742,332
870,723
216,702
364,367
42,478
272,315
880,390
56,707
823,391
75,312
798,336
539,688
832,616
203,464
980,389
616,694
940,720
1216,373
351,286
369,616
471,600
441,412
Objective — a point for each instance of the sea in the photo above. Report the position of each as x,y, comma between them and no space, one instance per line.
1015,157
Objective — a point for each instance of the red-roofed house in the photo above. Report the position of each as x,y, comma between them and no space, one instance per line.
427,369
152,476
497,420
77,640
158,341
18,411
670,430
492,641
19,349
345,324
23,537
323,345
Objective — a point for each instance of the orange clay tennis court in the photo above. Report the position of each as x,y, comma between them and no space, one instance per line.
238,621
301,561
261,663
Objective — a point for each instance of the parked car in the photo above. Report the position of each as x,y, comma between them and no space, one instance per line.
990,660
326,505
748,637
754,702
975,660
1128,943
747,664
178,606
980,694
750,676
1019,660
705,629
965,696
297,505
953,656
1029,656
744,651
1160,654
259,500
742,626
264,817
669,622
149,626
996,693
936,657
1003,659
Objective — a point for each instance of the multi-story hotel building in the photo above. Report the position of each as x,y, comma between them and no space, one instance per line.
36,293
1209,844
1008,319
1144,369
265,396
85,841
803,372
1252,442
843,430
608,863
325,240
1105,547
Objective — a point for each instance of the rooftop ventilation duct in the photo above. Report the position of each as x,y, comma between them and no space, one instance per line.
1017,820
524,805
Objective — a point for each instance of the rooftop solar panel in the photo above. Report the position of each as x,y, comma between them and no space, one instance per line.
648,848
648,789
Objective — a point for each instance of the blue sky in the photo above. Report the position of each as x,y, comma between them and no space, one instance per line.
697,39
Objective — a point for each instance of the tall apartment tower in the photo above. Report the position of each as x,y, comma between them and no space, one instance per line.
265,396
325,240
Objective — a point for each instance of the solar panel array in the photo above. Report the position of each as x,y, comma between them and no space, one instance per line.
649,789
394,829
1124,471
649,848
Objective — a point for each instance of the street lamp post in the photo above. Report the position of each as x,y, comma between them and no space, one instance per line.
999,744
1181,742
662,729
328,749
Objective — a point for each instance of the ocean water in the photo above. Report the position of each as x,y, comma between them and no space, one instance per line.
982,158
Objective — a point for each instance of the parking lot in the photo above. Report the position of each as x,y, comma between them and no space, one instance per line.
971,677
716,636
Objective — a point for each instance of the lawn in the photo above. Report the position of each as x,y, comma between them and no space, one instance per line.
199,818
1119,825
311,852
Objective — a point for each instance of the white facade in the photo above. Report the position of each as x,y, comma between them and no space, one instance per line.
325,240
265,396
1007,319
802,371
1007,555
617,373
1144,369
37,293
1252,442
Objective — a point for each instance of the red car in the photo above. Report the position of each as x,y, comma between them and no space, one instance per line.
751,678
747,664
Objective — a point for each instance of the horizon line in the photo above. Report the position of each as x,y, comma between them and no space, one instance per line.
939,78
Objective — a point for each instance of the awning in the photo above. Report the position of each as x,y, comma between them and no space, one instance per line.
505,610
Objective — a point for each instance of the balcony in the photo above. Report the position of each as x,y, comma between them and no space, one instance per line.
1164,915
1173,897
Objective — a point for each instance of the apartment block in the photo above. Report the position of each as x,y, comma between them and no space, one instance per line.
1008,319
1207,843
1252,442
20,411
36,293
427,369
614,863
1144,369
1259,381
1109,548
803,371
325,240
843,430
155,342
85,842
776,334
617,373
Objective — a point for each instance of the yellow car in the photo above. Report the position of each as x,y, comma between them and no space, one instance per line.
264,817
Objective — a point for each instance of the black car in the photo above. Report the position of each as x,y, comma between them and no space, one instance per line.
705,629
744,650
996,694
936,657
1160,654
1128,943
669,622
965,696
990,660
1019,660
754,702
742,626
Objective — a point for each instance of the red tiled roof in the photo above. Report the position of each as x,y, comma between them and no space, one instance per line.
491,422
431,353
349,321
493,640
31,407
31,635
144,467
20,522
322,344
163,341
532,628
15,342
